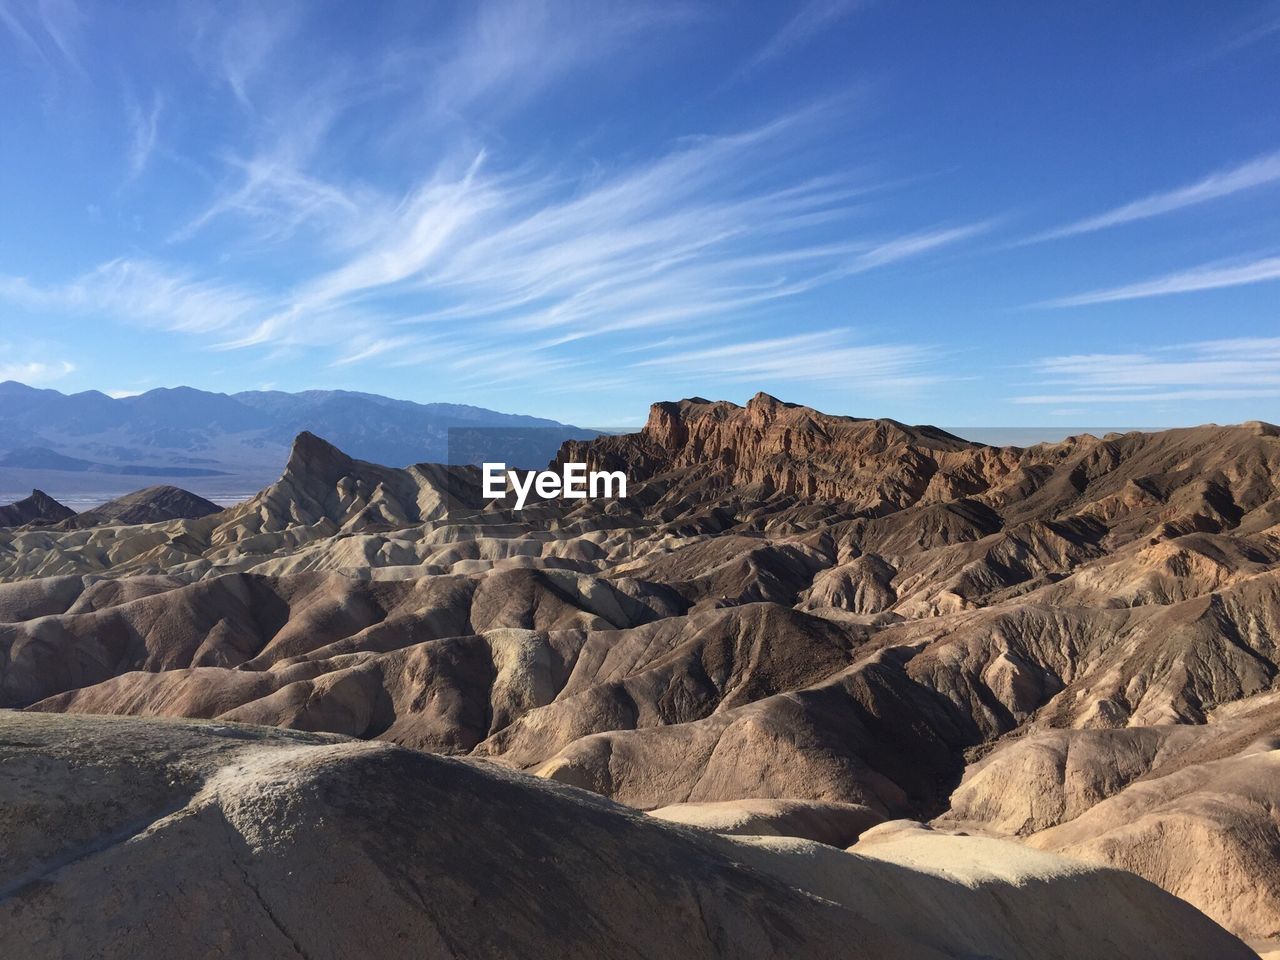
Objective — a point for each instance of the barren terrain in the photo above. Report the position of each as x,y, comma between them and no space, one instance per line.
797,628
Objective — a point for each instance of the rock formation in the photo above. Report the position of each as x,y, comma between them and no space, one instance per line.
794,624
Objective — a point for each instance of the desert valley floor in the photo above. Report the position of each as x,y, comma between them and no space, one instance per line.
819,686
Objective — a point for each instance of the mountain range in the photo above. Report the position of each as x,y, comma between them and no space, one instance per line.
88,447
823,685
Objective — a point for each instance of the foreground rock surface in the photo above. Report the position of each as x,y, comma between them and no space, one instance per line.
1190,807
155,839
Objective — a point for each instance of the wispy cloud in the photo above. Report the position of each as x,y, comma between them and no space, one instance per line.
492,270
1255,173
276,197
655,245
1263,24
265,185
143,292
812,18
513,50
35,372
658,245
529,262
1208,277
366,348
826,356
238,49
452,88
1230,369
915,244
45,29
144,132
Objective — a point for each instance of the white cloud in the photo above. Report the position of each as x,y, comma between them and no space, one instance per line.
277,196
809,20
912,245
366,348
1151,396
1240,368
512,50
35,372
496,57
1262,22
242,52
676,239
825,356
1208,277
144,130
1257,172
144,292
524,258
47,29
518,264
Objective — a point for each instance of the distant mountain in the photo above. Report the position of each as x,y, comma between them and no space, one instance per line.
396,432
224,446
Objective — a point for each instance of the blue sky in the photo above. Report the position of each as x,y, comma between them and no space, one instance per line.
969,214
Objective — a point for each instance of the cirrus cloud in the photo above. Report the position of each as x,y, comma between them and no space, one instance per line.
1237,368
